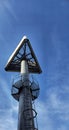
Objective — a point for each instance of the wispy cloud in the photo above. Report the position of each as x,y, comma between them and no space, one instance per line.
4,86
44,121
7,120
7,6
55,108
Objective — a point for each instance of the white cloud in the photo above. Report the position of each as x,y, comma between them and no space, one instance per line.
7,6
7,121
54,106
57,105
44,121
5,87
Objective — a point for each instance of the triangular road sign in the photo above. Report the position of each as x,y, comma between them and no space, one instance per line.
23,51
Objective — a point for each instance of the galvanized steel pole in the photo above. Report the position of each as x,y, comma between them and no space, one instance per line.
25,119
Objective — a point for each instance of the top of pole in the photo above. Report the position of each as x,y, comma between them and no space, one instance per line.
23,51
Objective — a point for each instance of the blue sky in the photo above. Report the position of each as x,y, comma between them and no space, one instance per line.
46,24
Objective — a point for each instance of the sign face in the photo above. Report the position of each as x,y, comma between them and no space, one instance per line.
23,51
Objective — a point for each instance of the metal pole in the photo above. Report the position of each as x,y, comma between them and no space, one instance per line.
25,118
